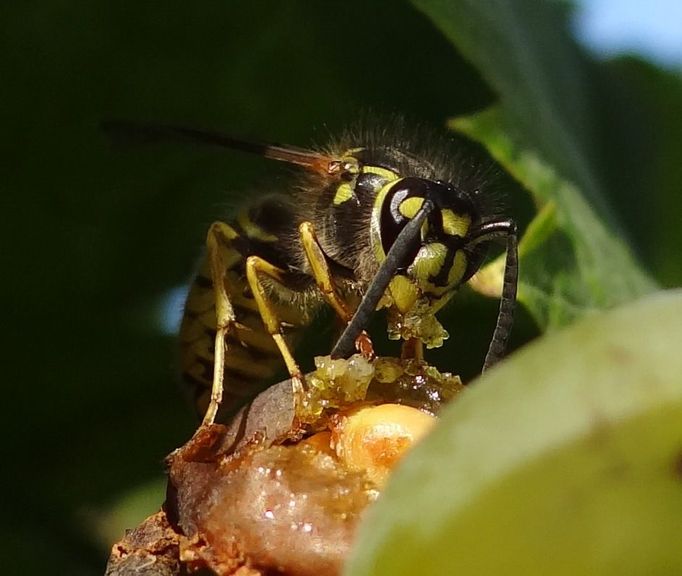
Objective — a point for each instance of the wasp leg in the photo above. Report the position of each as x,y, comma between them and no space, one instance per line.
255,267
323,278
320,271
219,236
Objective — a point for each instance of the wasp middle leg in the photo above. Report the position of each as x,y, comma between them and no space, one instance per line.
319,269
256,268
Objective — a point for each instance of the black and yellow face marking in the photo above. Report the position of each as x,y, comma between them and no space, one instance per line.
435,261
380,220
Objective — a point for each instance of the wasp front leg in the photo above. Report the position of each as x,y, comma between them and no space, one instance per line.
255,268
323,278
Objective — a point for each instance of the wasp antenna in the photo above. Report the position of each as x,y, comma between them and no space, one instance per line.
300,157
346,343
505,315
127,132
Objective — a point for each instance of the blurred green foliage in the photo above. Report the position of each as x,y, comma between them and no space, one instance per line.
95,237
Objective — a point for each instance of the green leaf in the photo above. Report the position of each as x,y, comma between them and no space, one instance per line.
523,50
576,264
567,459
640,111
540,134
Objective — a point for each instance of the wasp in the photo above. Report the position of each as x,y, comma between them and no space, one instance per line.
380,218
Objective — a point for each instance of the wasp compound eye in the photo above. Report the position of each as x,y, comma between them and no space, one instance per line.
402,202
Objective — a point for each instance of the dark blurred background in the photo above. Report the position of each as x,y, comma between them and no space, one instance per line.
98,241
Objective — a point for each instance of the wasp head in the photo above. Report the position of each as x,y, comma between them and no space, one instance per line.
441,255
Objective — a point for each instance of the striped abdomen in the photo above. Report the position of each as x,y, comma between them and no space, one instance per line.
252,358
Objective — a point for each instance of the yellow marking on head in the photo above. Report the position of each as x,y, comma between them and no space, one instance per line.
411,206
349,161
350,165
459,266
375,226
253,230
429,261
344,192
404,293
384,172
455,224
352,152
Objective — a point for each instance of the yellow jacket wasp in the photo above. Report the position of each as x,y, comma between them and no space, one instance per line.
380,219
